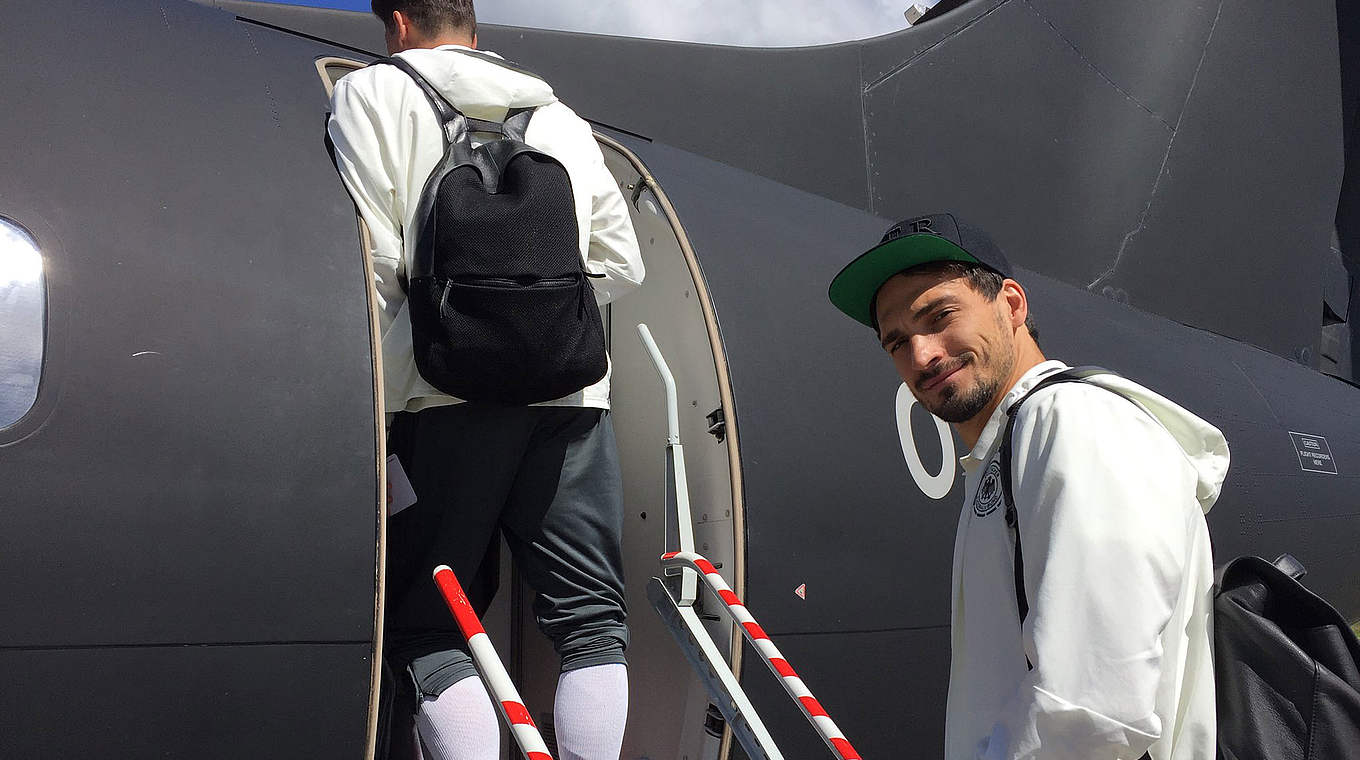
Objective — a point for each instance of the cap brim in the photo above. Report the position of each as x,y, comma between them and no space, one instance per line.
852,291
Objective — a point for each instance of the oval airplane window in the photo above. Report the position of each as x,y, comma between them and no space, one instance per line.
23,317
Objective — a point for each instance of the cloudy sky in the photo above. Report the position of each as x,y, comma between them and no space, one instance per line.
743,22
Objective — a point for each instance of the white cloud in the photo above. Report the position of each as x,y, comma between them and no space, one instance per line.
749,22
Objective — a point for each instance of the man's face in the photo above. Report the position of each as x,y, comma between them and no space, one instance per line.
952,347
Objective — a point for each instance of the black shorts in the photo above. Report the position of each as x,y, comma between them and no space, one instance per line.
548,479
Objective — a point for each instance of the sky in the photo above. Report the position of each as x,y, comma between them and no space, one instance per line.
745,22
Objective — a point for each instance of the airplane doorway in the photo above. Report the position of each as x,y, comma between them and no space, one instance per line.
668,707
669,714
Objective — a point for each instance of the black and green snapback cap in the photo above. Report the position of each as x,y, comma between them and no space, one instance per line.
909,243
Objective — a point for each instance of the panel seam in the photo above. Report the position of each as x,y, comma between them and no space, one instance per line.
305,36
899,68
893,629
178,645
1166,157
1309,518
1260,395
1090,64
864,124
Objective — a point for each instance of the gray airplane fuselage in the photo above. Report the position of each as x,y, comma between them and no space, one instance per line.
191,564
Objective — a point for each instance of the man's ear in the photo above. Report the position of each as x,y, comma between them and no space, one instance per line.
402,25
474,41
1016,302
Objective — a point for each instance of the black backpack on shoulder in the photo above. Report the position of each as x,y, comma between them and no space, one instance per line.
501,307
1286,681
1285,667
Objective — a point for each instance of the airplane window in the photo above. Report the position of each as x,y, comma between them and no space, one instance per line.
23,311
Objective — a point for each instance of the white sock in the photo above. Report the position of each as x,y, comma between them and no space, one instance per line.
590,712
460,724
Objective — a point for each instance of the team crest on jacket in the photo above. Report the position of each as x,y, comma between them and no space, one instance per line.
988,496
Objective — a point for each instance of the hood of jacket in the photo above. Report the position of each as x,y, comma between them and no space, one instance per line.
1203,444
479,83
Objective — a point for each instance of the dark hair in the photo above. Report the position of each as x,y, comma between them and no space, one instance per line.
430,15
986,282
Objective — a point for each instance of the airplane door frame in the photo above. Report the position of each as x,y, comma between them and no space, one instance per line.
646,181
379,434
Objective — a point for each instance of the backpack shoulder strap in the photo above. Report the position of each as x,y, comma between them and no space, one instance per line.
517,120
1071,375
454,124
517,123
458,127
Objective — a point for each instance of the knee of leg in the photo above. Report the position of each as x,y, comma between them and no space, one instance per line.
599,646
432,673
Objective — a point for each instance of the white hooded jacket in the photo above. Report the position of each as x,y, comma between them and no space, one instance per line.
388,140
1118,575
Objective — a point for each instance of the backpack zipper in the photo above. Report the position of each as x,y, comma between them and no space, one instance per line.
549,282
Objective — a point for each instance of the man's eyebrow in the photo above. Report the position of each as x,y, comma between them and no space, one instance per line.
894,334
929,307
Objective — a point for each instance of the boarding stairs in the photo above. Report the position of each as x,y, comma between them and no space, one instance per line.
673,595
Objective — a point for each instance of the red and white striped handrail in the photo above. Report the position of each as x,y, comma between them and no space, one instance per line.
488,663
760,641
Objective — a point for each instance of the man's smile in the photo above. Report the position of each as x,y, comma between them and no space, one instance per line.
939,376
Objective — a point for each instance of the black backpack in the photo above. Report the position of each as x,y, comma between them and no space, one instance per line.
501,307
1286,681
1284,667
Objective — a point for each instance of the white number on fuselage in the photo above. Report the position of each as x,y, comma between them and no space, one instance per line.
935,486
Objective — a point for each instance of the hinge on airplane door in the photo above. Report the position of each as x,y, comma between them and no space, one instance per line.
717,424
638,185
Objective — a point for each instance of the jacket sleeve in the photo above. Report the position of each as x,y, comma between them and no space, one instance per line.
613,249
1102,492
369,173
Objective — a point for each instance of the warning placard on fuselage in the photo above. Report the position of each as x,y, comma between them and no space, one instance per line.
1314,454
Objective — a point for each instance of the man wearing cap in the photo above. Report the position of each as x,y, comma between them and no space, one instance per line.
1081,616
